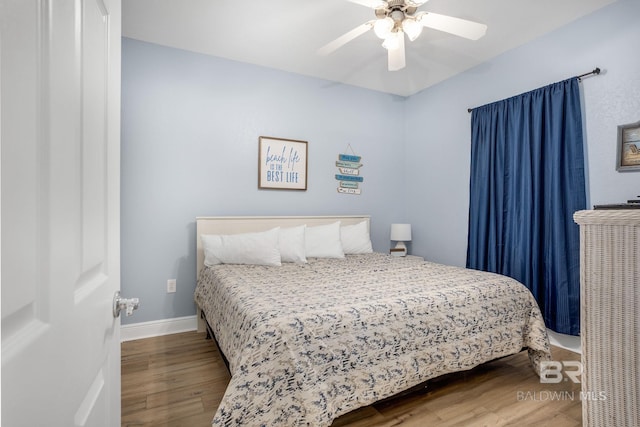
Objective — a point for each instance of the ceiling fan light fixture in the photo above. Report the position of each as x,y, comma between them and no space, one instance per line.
412,28
393,40
394,18
383,27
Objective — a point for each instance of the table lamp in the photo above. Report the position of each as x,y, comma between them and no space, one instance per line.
400,233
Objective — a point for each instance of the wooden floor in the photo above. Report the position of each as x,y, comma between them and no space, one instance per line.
178,380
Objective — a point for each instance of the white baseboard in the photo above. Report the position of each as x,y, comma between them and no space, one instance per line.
568,342
156,328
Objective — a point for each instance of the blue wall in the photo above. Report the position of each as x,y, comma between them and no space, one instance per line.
438,124
191,122
190,128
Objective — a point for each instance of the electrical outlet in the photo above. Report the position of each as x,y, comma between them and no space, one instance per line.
171,286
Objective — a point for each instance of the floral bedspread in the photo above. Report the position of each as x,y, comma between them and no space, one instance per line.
309,342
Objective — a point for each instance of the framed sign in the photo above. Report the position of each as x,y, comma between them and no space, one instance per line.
628,157
282,163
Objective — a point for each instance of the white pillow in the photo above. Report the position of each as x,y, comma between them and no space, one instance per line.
292,244
247,248
323,241
355,239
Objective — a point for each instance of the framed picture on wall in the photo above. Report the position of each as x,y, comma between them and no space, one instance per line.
282,163
628,158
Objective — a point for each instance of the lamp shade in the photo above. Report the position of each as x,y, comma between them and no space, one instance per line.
412,28
383,27
393,40
401,232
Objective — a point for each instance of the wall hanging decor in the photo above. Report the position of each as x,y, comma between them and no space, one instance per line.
282,164
349,173
628,157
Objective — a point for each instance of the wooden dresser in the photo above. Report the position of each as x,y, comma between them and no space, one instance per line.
610,316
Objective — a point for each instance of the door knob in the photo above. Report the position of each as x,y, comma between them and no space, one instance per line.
126,304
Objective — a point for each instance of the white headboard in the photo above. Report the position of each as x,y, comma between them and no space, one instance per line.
249,224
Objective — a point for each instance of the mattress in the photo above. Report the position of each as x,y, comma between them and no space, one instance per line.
307,343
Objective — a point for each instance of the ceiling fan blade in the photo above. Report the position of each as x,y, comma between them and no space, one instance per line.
374,4
459,27
396,56
345,38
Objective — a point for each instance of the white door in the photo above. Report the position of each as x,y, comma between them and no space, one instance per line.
60,160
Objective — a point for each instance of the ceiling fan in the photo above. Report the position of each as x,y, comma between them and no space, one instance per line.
395,18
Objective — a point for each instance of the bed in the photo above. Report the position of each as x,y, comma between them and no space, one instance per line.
308,342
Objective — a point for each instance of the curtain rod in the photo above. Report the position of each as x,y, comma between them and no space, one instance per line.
595,71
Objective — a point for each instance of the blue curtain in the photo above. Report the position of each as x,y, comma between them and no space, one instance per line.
527,180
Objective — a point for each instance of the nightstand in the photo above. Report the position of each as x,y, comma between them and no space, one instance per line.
409,258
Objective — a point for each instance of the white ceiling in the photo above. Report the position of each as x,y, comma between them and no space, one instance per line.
285,35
